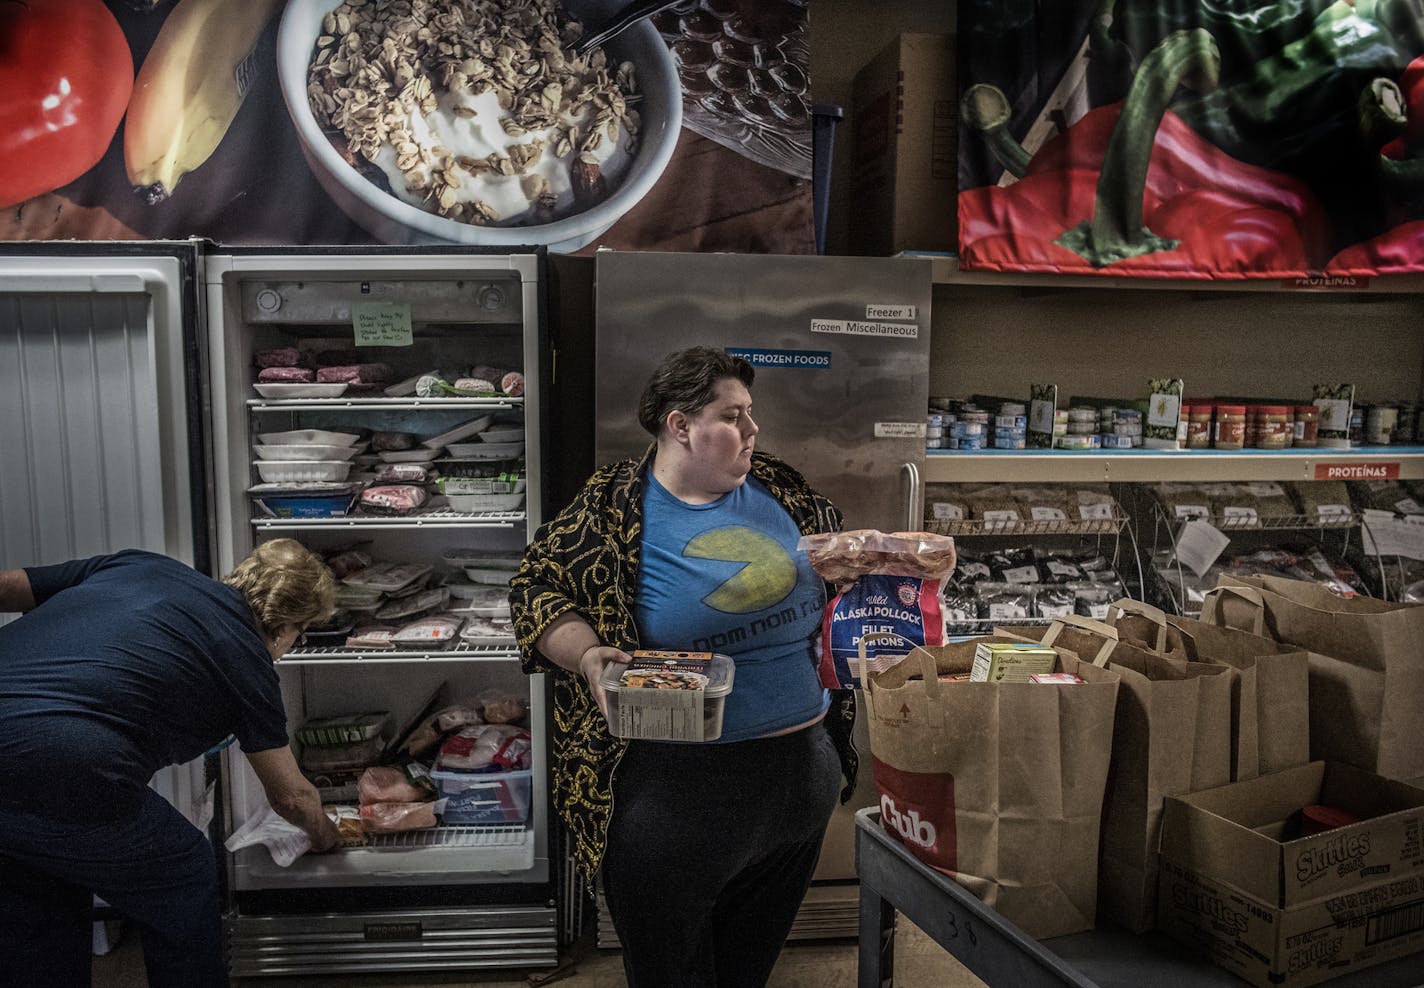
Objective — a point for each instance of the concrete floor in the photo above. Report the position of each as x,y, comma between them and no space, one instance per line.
919,961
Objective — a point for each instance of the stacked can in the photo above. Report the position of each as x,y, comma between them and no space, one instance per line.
1082,429
934,429
1011,426
1125,430
969,430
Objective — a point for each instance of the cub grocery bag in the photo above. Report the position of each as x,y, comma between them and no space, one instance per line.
889,584
1270,698
999,785
1366,661
1171,735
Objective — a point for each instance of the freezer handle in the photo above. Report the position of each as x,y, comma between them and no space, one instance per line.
915,500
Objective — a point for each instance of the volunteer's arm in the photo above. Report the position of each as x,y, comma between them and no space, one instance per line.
292,796
571,643
16,596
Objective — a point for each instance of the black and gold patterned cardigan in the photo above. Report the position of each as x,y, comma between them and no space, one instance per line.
586,560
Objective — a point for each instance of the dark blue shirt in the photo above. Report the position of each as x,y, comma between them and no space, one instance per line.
129,663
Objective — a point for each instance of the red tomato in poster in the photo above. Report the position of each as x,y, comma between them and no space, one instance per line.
65,77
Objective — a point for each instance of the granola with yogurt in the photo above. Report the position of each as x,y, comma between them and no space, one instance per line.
475,109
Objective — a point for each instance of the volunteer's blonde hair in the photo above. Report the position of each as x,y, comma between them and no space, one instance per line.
285,583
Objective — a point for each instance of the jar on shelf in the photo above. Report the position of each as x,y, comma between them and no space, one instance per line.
1230,432
1404,433
1380,421
1306,433
1357,425
1273,426
1198,418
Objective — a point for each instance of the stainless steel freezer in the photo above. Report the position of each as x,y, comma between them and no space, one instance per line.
456,896
841,351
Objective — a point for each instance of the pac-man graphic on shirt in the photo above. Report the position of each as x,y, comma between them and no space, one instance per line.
767,574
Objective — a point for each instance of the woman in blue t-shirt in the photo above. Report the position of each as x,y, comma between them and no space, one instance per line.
122,665
705,850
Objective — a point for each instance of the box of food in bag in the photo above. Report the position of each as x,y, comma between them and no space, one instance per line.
667,695
1010,662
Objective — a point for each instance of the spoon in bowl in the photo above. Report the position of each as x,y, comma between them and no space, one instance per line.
624,19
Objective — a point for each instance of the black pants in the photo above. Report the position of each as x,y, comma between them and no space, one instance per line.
153,866
710,851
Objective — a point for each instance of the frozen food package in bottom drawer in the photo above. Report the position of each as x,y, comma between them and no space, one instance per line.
484,798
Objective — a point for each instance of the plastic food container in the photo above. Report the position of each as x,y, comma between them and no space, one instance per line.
474,503
504,434
289,503
668,696
346,729
278,391
484,797
304,451
462,431
295,471
309,437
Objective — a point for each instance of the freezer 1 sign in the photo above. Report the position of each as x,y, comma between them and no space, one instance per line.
801,359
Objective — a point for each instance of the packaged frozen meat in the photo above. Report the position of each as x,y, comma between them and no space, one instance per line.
504,708
393,499
286,356
286,375
384,818
490,601
340,757
433,631
408,783
487,631
415,604
495,747
382,441
388,577
372,636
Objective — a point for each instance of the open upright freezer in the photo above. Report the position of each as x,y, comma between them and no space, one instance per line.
393,323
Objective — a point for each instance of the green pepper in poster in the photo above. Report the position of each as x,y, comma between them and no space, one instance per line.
1130,189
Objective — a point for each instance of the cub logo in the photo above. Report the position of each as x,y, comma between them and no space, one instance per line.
908,825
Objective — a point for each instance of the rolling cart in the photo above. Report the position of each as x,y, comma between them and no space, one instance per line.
999,953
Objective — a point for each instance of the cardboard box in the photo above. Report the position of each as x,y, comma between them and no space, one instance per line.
1301,911
905,149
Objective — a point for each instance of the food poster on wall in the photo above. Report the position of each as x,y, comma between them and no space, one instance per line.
1192,138
479,122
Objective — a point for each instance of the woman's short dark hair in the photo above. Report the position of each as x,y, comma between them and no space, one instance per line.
686,381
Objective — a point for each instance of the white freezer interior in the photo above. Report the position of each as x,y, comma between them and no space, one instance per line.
465,309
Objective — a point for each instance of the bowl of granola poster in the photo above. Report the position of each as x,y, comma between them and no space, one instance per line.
475,123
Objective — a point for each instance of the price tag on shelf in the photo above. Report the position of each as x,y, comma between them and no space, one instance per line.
1199,544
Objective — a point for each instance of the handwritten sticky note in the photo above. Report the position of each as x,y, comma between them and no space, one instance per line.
381,323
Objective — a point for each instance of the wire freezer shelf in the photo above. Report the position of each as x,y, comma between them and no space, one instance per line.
500,835
978,526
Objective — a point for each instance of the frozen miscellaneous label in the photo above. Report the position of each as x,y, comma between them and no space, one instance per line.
899,430
890,311
858,327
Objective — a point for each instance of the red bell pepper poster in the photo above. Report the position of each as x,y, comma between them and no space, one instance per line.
480,122
1192,138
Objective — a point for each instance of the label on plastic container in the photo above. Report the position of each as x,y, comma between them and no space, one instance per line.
1099,511
1041,513
947,512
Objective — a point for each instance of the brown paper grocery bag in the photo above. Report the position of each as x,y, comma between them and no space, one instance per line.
999,785
1270,699
1366,659
1171,735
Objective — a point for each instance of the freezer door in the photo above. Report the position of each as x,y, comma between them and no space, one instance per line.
97,362
841,351
100,401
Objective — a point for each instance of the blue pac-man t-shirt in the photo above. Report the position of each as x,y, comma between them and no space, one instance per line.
727,577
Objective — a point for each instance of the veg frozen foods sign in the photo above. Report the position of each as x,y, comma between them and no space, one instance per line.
479,122
1193,139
